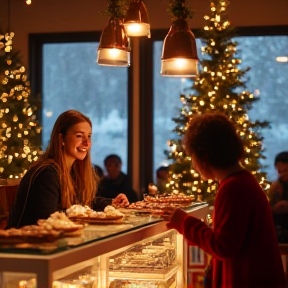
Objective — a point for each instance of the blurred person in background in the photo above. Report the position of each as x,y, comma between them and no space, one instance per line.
116,181
162,178
278,197
99,171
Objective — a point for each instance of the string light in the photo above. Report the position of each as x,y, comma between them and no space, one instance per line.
14,121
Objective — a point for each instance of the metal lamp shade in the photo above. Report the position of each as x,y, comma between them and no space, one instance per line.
114,47
136,22
179,53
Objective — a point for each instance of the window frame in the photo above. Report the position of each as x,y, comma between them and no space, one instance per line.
36,43
146,89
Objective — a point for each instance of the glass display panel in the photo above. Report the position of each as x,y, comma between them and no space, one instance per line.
156,255
91,234
18,280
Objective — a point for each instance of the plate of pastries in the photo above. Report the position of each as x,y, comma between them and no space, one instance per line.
85,214
61,224
47,230
156,204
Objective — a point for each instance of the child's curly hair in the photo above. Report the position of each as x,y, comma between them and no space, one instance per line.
212,138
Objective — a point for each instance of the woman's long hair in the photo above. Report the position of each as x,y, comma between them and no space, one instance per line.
82,179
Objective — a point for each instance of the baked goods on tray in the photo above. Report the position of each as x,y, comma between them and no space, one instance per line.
155,204
180,199
60,222
31,233
85,214
56,226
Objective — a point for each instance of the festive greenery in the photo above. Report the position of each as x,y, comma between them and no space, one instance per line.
20,138
179,9
116,9
220,87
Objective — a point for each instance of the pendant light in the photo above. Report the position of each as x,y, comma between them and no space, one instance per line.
179,53
114,48
136,21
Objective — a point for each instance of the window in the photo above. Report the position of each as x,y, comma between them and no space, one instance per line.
266,79
72,80
167,104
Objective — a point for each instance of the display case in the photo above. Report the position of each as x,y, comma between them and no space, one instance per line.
141,252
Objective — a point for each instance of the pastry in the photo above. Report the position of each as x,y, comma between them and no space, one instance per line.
110,215
59,221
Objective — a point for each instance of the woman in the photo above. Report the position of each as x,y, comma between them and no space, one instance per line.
62,177
242,242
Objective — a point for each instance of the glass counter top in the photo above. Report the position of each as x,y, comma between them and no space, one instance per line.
91,233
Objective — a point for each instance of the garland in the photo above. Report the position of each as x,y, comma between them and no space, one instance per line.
116,9
179,9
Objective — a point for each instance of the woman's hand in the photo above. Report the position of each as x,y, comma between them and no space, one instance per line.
120,201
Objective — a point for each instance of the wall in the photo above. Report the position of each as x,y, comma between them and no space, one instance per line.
83,15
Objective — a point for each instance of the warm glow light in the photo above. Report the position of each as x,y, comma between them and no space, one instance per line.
137,29
113,53
132,28
179,67
22,284
173,147
136,22
113,57
282,59
180,63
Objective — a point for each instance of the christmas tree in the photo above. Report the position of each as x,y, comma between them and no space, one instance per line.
20,138
219,87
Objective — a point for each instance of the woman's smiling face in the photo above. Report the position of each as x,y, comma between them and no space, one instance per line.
77,142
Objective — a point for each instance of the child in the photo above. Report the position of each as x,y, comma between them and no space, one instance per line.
242,242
